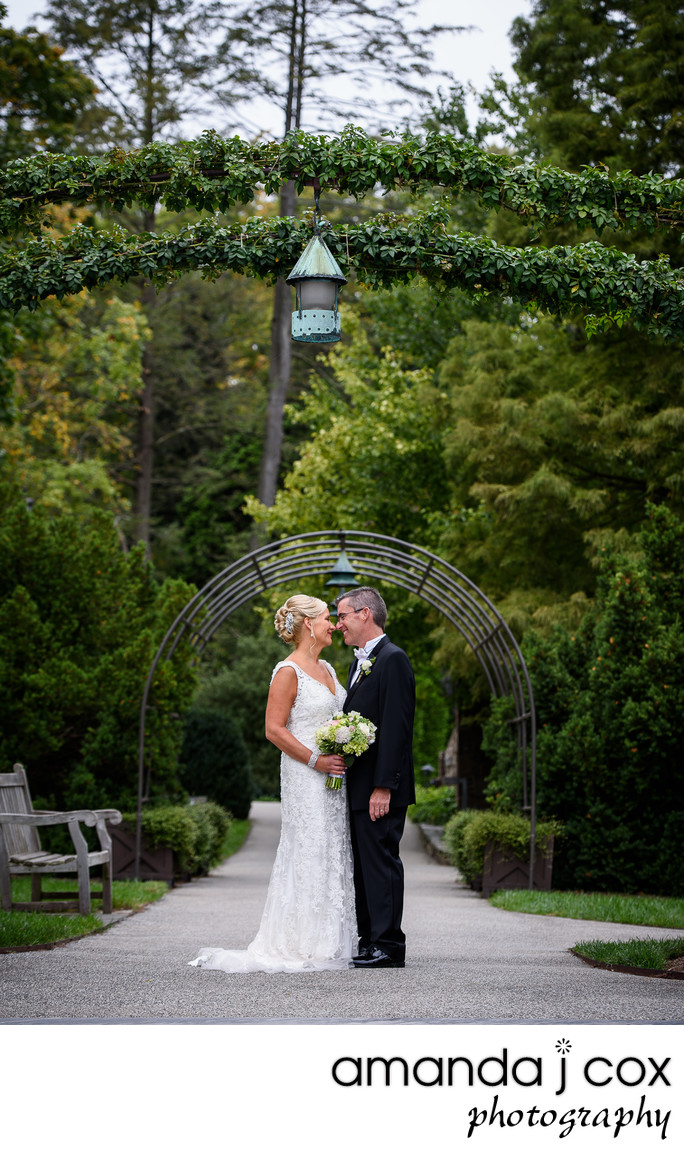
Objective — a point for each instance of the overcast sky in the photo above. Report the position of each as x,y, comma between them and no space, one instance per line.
469,56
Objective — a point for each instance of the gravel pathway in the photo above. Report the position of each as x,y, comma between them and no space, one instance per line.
466,961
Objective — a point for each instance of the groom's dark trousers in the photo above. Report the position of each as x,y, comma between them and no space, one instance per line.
386,696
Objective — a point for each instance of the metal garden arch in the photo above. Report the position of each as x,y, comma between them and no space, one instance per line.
376,559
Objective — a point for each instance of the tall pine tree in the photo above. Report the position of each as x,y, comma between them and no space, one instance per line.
602,83
156,63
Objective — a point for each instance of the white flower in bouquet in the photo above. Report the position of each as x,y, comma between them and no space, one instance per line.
349,735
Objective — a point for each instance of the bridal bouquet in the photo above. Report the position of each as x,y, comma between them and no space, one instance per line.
349,735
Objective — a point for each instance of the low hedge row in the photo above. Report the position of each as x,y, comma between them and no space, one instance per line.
468,832
195,833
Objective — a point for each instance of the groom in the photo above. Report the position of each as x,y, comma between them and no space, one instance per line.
380,783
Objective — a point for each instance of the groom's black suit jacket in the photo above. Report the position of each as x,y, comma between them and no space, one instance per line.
386,696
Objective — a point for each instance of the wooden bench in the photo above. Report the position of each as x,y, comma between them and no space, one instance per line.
21,853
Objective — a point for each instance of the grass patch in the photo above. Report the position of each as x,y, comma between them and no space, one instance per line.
34,928
650,953
235,836
127,894
26,928
635,909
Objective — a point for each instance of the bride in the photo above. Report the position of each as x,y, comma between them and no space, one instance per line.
309,921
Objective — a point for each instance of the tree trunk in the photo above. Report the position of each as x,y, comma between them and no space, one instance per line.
280,365
279,372
145,438
145,460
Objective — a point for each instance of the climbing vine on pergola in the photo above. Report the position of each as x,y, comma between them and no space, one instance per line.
213,174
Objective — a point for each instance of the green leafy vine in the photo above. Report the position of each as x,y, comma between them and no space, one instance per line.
212,173
588,277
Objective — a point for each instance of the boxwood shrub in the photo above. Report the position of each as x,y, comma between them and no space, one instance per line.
195,834
468,832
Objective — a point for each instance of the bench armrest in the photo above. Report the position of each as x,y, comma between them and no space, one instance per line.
53,818
101,820
109,815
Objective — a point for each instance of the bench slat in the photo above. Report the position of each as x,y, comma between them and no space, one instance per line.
53,907
38,857
63,864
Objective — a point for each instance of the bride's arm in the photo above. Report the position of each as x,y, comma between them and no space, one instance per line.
281,696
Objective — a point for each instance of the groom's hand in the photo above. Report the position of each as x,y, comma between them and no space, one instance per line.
379,803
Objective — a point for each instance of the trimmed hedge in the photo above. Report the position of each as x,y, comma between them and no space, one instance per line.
214,760
610,699
468,832
195,834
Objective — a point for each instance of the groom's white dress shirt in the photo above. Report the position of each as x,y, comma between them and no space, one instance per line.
361,653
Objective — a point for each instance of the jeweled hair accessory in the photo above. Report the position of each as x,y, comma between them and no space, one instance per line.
289,622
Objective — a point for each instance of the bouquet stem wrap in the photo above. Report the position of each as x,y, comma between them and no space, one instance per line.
334,782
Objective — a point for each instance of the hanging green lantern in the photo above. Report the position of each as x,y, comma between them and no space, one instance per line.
342,578
316,278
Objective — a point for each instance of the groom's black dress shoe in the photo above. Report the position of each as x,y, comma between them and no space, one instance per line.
373,957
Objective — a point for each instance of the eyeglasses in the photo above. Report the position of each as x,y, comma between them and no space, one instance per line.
354,611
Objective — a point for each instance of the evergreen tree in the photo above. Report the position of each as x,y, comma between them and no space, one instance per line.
601,83
79,625
155,64
609,701
158,63
553,445
376,431
44,103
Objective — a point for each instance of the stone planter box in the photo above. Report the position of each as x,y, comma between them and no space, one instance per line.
155,862
503,871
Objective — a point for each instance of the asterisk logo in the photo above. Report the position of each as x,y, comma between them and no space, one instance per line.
563,1046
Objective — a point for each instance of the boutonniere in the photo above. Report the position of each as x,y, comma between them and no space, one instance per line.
367,665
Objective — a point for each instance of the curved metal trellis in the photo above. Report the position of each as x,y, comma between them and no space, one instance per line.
377,559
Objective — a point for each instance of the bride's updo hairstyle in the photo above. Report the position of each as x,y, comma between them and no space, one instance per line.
289,619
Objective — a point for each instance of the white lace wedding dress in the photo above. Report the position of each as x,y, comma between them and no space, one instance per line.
309,921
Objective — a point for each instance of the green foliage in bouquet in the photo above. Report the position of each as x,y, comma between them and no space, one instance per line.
468,832
214,760
609,706
345,734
